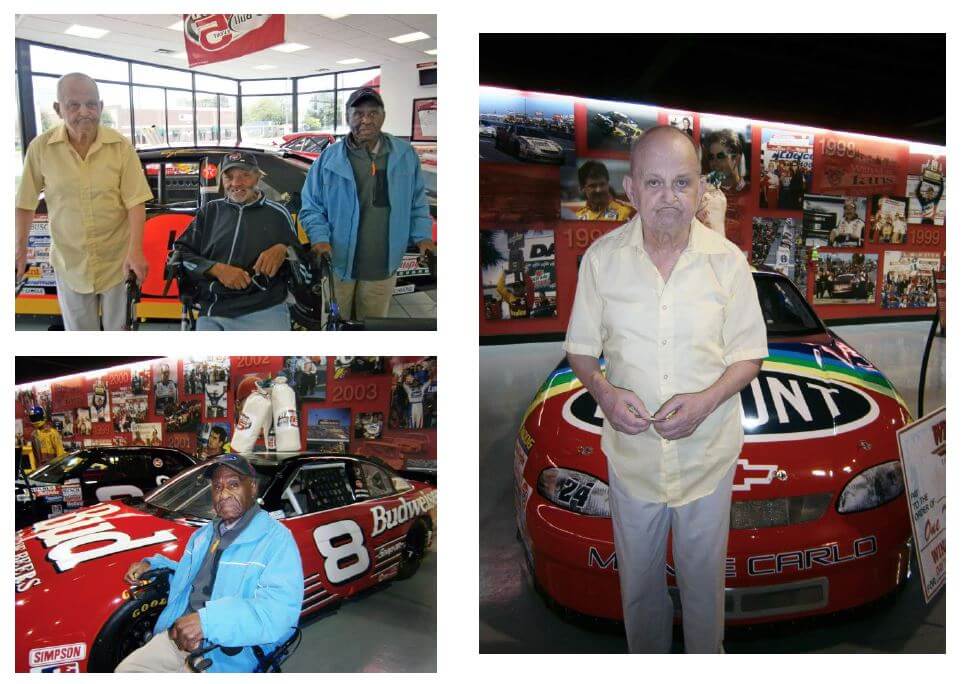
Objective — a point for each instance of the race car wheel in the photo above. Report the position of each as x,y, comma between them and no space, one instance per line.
415,548
130,627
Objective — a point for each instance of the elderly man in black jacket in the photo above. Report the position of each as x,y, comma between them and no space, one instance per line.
233,252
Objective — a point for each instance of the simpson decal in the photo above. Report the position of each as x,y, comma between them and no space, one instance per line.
53,655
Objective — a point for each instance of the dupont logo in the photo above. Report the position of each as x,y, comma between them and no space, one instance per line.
776,407
53,655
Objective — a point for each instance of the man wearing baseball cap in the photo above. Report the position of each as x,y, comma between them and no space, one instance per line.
363,202
233,252
239,582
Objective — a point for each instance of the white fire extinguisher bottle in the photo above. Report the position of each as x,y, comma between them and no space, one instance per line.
286,426
255,416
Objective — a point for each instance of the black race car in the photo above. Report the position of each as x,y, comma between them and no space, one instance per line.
92,475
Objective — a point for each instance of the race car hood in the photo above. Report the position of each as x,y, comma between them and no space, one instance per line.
541,143
806,391
82,556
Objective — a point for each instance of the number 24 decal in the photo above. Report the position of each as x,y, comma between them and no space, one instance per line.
347,561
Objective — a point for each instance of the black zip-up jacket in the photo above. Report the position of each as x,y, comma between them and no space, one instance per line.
228,233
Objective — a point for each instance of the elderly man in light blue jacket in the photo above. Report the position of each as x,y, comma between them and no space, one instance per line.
239,582
363,202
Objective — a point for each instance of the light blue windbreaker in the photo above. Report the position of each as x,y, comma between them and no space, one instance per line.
257,596
329,204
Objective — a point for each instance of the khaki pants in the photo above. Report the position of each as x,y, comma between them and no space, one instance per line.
700,530
371,298
80,311
160,654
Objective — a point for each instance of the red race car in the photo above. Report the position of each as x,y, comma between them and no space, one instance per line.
308,145
356,524
818,521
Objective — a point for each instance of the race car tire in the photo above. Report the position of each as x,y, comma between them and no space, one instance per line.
129,627
415,548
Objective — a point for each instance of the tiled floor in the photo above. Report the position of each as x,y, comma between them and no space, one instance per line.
411,305
513,618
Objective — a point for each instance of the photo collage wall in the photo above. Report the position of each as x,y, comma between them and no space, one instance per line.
377,406
858,223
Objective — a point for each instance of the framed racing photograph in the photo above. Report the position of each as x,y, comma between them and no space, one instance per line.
413,402
424,119
726,151
846,278
369,425
612,127
308,375
593,191
518,275
328,429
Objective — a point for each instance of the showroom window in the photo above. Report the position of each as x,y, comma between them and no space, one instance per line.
180,121
207,115
215,84
150,75
150,117
227,120
266,86
154,105
45,94
265,118
356,79
45,60
312,84
316,112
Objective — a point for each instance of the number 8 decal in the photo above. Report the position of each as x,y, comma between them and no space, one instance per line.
324,538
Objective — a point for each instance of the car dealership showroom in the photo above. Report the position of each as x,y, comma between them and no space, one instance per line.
186,91
606,362
314,476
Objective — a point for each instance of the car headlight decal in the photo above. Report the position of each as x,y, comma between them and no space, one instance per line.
872,488
575,491
791,510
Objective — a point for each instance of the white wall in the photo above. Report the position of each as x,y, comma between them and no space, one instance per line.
400,86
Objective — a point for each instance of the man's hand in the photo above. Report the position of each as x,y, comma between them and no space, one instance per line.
622,408
270,260
427,246
135,261
230,276
21,264
681,415
321,248
136,570
187,632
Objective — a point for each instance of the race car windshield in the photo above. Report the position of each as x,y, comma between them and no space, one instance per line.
188,494
532,132
60,467
785,311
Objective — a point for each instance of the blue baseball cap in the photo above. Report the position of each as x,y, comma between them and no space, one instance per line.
234,461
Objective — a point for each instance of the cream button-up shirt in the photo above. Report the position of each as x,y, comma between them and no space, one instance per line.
87,203
661,338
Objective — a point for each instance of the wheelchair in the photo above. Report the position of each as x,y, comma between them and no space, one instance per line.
155,584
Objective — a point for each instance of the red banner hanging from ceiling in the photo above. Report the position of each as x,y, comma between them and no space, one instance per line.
219,37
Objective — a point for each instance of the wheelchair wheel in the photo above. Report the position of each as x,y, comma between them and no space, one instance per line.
415,548
130,627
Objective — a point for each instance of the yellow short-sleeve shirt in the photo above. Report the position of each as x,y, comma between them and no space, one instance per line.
661,338
87,203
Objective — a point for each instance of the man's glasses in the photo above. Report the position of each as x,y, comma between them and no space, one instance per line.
721,155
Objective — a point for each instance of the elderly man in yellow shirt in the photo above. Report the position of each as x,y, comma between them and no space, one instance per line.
95,191
673,307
